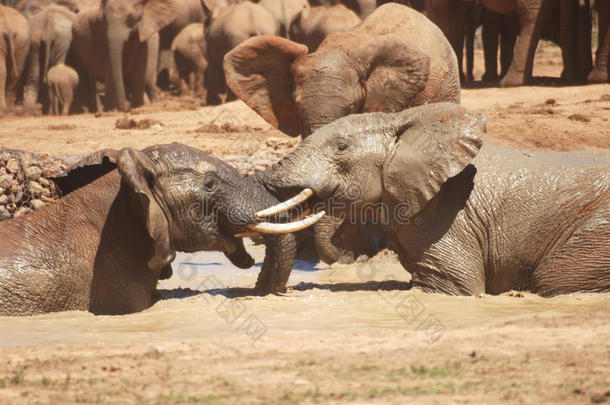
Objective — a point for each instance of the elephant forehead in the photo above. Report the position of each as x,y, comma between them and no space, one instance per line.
178,155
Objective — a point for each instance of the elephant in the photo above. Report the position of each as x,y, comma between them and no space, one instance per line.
496,28
363,8
62,82
225,28
394,59
14,44
29,8
565,22
50,40
312,25
188,12
463,218
284,11
117,42
189,60
103,246
600,72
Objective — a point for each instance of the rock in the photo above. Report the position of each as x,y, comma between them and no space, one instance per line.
11,207
2,170
16,196
6,181
3,199
4,157
32,173
21,211
35,189
13,166
37,204
44,182
4,214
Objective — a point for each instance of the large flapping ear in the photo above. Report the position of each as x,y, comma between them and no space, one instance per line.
87,170
396,72
156,15
258,72
433,143
138,173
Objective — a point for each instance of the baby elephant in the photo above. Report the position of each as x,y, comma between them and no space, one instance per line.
104,245
62,81
462,221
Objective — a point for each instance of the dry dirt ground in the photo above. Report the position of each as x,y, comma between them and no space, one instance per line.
324,344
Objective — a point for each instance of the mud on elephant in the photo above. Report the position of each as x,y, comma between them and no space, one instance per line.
104,245
462,222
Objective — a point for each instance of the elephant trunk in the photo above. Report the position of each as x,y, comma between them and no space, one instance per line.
116,39
280,251
32,85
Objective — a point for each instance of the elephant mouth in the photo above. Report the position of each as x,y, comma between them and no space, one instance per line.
298,207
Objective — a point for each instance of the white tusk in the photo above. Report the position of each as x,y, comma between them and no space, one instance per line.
267,227
246,234
286,205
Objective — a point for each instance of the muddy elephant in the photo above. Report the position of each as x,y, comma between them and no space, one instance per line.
393,60
361,7
14,45
187,12
104,245
463,220
565,22
225,28
117,42
600,72
284,11
50,40
62,82
189,60
312,25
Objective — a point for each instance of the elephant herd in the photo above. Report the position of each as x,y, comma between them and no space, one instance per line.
123,51
387,150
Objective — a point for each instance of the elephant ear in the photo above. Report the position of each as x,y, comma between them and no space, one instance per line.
87,170
258,72
156,15
396,73
138,174
433,143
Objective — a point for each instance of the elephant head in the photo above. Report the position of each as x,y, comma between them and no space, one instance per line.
349,73
388,160
123,19
189,201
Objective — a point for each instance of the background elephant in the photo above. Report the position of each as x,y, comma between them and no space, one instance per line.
284,11
30,8
50,40
14,44
104,246
566,22
186,12
62,82
462,222
189,60
395,59
600,72
496,28
117,42
225,28
312,25
361,7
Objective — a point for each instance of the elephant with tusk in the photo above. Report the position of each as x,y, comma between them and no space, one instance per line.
464,219
104,245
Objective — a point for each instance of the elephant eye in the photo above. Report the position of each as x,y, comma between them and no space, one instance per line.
341,146
210,183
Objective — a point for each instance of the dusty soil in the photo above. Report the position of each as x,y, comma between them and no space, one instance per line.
334,338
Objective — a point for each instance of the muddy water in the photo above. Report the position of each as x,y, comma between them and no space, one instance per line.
358,297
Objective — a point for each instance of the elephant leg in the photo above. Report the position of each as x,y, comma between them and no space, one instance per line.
567,16
152,49
279,259
470,33
490,33
214,79
581,263
3,77
324,230
138,81
600,73
507,43
584,58
198,87
532,22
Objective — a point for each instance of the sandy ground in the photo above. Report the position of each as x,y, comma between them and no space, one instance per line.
342,334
